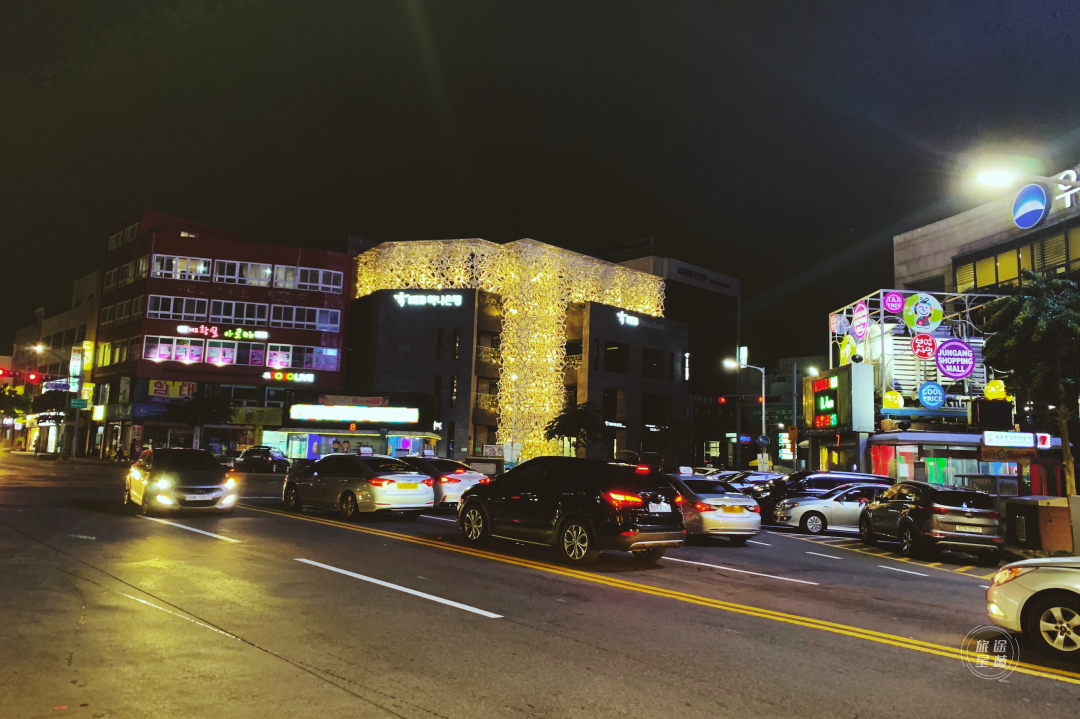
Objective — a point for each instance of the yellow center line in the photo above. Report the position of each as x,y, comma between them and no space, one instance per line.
810,622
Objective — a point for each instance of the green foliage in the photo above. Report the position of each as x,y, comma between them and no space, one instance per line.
581,423
201,408
11,402
49,402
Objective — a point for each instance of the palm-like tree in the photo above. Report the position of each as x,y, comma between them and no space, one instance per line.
583,424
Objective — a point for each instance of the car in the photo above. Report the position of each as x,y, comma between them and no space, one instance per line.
806,483
450,477
578,506
1041,599
925,517
227,458
717,509
172,480
713,472
836,509
352,484
262,459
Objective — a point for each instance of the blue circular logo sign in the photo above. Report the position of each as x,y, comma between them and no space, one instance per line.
931,395
1031,206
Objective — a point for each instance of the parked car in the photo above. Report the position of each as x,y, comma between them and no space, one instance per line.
227,458
450,477
578,506
924,516
752,477
169,480
804,484
352,484
715,508
836,509
262,459
1041,598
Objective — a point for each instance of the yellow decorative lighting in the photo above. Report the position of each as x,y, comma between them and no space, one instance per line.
537,283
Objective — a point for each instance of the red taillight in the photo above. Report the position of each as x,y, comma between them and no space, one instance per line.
448,480
756,508
994,515
702,507
459,470
679,499
485,480
939,510
429,482
620,500
380,481
628,533
642,469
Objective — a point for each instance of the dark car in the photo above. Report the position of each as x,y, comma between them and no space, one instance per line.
262,459
924,516
578,506
176,479
803,484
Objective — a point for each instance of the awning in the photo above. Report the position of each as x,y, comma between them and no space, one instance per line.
966,439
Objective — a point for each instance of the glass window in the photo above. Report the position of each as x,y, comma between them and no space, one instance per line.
243,273
285,277
181,268
238,313
305,318
110,281
985,272
125,274
326,358
137,307
616,357
194,460
176,308
123,311
309,278
1025,257
131,232
180,349
220,352
105,318
652,363
1007,266
1053,254
142,267
965,277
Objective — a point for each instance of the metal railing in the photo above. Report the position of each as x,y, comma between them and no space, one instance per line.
489,402
572,362
490,355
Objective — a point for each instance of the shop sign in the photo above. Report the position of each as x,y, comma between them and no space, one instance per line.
860,320
213,332
956,359
1009,439
923,312
1042,440
492,450
618,425
630,320
931,395
1006,454
847,349
893,302
345,413
256,416
923,346
1031,206
75,364
404,298
172,390
826,398
125,390
118,411
238,333
354,401
87,356
99,413
834,323
290,376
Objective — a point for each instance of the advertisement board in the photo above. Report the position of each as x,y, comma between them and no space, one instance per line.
840,400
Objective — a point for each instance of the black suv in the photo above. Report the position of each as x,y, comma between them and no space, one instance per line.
803,484
578,506
262,459
926,516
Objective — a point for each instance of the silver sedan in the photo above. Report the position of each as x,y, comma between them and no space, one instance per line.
838,508
715,508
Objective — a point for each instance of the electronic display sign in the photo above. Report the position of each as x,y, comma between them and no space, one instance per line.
826,404
841,400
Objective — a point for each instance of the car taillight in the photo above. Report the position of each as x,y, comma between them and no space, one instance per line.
756,508
380,481
702,507
428,482
459,470
642,469
939,510
449,480
679,499
994,515
485,480
620,500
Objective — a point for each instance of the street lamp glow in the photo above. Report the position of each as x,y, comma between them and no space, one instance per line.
731,364
997,178
39,348
812,371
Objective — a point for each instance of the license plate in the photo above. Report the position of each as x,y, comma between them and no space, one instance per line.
732,510
197,497
407,485
968,529
662,507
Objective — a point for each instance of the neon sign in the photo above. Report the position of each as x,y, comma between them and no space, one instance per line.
351,413
290,376
625,319
403,298
213,332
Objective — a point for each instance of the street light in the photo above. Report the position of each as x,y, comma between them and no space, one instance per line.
812,371
732,364
39,348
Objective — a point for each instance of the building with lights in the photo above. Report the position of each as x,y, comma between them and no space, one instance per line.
505,336
185,306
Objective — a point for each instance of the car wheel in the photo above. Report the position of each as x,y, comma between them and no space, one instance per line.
292,499
813,523
990,558
347,506
474,524
575,543
1053,626
909,543
411,515
738,541
649,555
866,531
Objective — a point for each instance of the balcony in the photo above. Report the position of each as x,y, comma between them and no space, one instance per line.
486,402
572,362
491,355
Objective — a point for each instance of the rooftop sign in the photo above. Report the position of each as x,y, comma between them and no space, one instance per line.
1022,440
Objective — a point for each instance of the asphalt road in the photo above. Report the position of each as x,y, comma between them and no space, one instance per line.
270,614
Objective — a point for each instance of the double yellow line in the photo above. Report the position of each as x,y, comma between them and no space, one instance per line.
844,629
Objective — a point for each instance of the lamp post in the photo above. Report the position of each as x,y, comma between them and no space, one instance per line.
732,364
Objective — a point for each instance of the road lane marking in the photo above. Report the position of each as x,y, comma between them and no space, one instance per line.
192,529
441,519
885,554
816,554
809,622
399,588
764,544
742,571
905,571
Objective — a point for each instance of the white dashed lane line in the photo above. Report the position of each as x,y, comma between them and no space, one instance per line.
740,571
764,544
441,519
816,554
192,529
905,571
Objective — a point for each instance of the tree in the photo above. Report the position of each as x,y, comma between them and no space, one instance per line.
11,402
1036,339
201,408
581,423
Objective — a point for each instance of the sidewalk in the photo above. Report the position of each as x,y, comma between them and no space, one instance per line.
53,457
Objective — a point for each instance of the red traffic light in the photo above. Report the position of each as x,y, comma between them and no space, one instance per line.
722,400
760,399
32,377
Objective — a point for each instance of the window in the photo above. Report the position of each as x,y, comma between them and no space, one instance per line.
180,349
80,336
131,232
243,273
105,318
176,308
653,409
223,352
275,397
456,344
142,267
652,363
985,273
181,268
1008,268
238,313
453,391
439,337
438,390
116,240
1025,257
123,311
285,277
319,280
134,343
965,276
610,404
594,354
125,275
104,354
298,357
69,337
110,281
305,318
380,465
57,340
616,357
137,305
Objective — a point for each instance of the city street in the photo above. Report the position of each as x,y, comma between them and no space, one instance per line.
265,613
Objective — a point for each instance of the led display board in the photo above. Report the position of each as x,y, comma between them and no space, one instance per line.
840,400
353,413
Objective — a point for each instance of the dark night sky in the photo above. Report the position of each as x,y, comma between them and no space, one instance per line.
783,143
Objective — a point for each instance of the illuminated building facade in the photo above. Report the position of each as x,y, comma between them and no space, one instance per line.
504,334
185,305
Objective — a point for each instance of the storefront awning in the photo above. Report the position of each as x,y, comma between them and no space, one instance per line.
949,438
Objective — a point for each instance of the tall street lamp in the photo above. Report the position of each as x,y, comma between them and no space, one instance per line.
732,364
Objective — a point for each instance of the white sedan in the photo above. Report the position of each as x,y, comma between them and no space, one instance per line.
838,508
1041,598
449,477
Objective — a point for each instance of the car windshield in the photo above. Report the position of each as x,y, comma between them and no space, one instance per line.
838,490
963,500
709,486
449,466
185,460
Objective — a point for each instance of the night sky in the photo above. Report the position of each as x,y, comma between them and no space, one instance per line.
783,143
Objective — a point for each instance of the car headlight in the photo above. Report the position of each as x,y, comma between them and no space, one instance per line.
230,483
164,483
1007,574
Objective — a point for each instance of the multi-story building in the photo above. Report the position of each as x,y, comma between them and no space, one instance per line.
505,336
185,305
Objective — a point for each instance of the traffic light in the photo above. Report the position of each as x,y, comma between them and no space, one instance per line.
722,400
33,377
